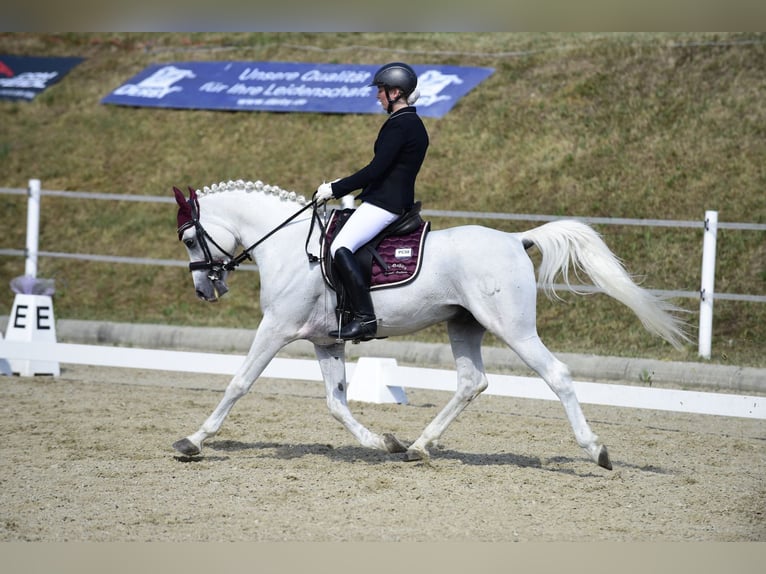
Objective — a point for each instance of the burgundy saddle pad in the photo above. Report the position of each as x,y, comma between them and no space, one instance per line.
392,261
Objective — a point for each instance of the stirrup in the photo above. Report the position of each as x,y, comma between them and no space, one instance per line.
358,328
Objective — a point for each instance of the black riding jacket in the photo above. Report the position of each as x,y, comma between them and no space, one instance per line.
388,181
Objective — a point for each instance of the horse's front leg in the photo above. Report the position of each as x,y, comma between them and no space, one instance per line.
332,362
267,343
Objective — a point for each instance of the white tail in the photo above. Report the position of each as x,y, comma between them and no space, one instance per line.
565,241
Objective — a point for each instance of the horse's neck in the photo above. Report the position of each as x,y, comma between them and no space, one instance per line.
252,214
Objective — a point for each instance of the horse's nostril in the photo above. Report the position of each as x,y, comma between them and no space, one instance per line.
200,294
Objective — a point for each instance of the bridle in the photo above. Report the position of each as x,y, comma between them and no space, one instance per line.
217,267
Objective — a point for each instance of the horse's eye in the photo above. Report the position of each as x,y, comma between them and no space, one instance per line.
189,243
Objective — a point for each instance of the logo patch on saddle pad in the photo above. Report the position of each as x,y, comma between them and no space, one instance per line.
387,260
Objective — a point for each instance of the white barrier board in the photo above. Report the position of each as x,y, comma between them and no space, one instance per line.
392,376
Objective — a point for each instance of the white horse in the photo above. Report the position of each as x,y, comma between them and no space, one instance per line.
475,278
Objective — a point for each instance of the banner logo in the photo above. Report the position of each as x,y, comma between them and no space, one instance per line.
158,85
23,78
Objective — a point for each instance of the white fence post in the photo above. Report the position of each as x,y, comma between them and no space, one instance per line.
707,288
33,227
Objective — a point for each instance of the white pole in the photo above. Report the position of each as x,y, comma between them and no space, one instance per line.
33,227
707,288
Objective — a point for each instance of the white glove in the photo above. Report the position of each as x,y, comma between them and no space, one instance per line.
324,192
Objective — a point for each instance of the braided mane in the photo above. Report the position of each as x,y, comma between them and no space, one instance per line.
250,186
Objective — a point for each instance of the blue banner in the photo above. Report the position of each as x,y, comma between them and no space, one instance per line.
287,87
23,77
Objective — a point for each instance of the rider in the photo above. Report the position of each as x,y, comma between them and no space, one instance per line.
388,189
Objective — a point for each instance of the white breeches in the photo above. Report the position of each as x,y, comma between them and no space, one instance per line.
364,224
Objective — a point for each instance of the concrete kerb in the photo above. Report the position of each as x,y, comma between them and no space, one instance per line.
686,375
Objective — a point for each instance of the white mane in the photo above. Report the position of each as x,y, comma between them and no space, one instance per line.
250,186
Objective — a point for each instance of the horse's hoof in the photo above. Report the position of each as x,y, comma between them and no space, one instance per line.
393,444
415,455
603,458
186,447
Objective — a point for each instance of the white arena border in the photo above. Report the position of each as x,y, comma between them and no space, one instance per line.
387,378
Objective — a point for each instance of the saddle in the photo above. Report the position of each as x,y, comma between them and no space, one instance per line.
390,259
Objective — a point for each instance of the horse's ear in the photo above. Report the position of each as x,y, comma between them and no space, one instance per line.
192,193
185,217
180,199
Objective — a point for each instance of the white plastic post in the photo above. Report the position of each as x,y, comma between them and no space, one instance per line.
33,227
707,288
372,382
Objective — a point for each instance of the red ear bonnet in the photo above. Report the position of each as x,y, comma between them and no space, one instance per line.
185,217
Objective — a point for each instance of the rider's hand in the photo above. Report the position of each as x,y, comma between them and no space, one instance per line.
324,192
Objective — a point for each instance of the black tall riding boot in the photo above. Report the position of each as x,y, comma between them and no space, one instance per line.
363,325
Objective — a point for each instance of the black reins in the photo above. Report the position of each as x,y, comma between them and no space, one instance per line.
218,266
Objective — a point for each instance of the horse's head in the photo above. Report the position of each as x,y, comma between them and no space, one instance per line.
208,256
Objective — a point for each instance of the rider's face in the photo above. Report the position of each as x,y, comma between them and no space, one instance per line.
393,92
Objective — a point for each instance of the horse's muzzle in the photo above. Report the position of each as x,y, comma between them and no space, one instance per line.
217,290
214,287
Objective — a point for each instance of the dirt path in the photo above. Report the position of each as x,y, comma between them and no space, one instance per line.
87,457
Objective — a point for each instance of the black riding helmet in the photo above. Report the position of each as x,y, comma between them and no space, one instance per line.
396,75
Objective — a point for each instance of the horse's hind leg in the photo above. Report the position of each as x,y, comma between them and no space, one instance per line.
556,374
465,335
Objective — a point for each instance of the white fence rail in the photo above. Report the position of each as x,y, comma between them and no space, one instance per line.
706,294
